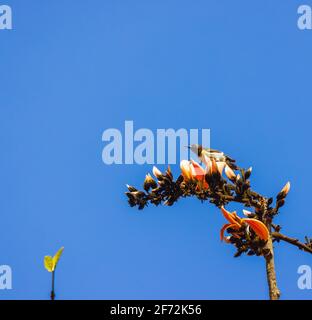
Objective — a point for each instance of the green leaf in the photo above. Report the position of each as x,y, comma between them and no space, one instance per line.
48,263
57,256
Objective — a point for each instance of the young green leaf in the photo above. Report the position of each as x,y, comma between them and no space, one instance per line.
48,263
57,256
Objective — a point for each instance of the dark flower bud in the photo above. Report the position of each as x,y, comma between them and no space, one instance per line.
280,203
248,173
283,193
130,188
149,182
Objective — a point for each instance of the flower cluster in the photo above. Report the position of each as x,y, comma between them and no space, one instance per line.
220,184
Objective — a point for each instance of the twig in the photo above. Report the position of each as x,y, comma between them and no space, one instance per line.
52,291
269,259
279,236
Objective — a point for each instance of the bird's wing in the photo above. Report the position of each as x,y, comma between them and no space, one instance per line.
213,150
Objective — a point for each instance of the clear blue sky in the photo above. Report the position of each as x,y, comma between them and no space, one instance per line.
71,69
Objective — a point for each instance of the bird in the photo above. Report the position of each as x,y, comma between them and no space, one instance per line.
219,156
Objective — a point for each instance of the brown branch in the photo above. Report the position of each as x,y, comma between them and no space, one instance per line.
279,236
269,259
220,193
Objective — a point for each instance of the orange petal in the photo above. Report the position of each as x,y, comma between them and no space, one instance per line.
185,169
258,227
224,228
197,171
202,185
205,185
230,217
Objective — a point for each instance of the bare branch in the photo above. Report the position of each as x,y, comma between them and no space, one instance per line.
302,246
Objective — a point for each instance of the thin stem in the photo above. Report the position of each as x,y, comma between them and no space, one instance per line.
52,291
269,258
302,246
270,270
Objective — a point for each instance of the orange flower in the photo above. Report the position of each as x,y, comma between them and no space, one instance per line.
191,170
185,169
236,223
197,171
199,174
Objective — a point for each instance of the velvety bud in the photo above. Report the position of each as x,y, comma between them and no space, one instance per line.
238,179
156,172
248,173
230,173
149,182
186,169
130,188
220,165
248,214
214,166
283,193
286,188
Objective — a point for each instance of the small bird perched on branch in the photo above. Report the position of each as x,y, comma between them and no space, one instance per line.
219,156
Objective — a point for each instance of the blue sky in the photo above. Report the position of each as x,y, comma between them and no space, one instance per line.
70,70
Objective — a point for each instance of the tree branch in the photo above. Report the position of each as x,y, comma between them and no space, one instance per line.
269,259
302,246
209,185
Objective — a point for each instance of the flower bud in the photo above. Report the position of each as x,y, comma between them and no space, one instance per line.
130,188
286,188
156,172
248,214
283,193
230,173
185,169
248,173
149,182
220,165
214,166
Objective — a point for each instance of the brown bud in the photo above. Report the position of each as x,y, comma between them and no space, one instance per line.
248,173
149,182
220,165
286,188
230,173
248,214
283,193
156,172
186,170
130,188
